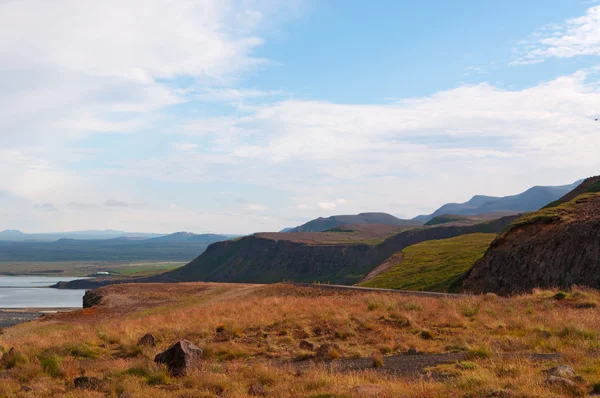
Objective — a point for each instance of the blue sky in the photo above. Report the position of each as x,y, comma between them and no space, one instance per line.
254,115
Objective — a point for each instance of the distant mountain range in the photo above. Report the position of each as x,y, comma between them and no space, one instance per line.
18,236
532,199
13,235
323,224
180,246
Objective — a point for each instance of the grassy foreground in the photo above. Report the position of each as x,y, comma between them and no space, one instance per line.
435,265
251,333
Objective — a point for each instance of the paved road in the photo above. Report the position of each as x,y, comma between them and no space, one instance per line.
373,289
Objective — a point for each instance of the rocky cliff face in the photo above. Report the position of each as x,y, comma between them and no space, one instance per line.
262,260
556,247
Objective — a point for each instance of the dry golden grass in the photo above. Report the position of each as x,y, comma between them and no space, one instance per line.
250,335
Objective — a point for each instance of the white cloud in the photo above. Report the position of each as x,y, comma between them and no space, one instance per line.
327,205
576,36
341,201
73,67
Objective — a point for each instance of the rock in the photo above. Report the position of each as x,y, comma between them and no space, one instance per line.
369,390
499,394
26,388
147,340
307,345
257,389
561,371
181,357
91,298
563,384
412,351
327,351
88,383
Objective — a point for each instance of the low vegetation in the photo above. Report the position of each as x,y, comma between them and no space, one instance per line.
435,265
251,338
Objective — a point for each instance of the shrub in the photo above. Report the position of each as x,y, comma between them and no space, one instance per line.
51,364
560,296
479,352
377,361
467,365
426,335
470,311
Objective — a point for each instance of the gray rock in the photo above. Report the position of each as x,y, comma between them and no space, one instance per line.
26,389
181,358
88,383
561,371
563,384
147,340
307,345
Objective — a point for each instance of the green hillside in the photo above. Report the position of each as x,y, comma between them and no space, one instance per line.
434,265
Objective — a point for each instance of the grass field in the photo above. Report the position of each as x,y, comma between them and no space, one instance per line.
434,265
250,335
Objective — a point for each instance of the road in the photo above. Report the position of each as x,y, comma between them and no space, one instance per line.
377,290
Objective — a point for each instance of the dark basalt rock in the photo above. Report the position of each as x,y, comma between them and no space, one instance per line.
88,383
147,340
91,298
554,248
181,358
307,345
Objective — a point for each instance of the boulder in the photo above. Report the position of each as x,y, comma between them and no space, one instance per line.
307,345
181,358
88,383
327,351
412,351
91,298
147,340
561,371
563,384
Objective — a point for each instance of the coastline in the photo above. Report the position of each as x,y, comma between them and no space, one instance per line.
14,316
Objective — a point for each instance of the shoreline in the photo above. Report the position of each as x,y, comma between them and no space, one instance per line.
14,316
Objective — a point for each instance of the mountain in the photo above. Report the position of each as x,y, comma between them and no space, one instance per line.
530,200
323,224
343,257
558,246
18,236
175,247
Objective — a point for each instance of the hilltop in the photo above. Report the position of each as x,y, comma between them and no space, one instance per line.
322,224
557,246
532,199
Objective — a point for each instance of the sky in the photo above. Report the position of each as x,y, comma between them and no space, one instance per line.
238,116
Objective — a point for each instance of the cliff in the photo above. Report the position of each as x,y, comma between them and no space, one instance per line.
558,246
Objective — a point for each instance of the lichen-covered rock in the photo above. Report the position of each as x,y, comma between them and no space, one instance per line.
181,358
564,384
561,371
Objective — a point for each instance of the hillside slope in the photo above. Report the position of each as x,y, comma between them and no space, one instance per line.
558,246
322,224
435,265
267,258
530,200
